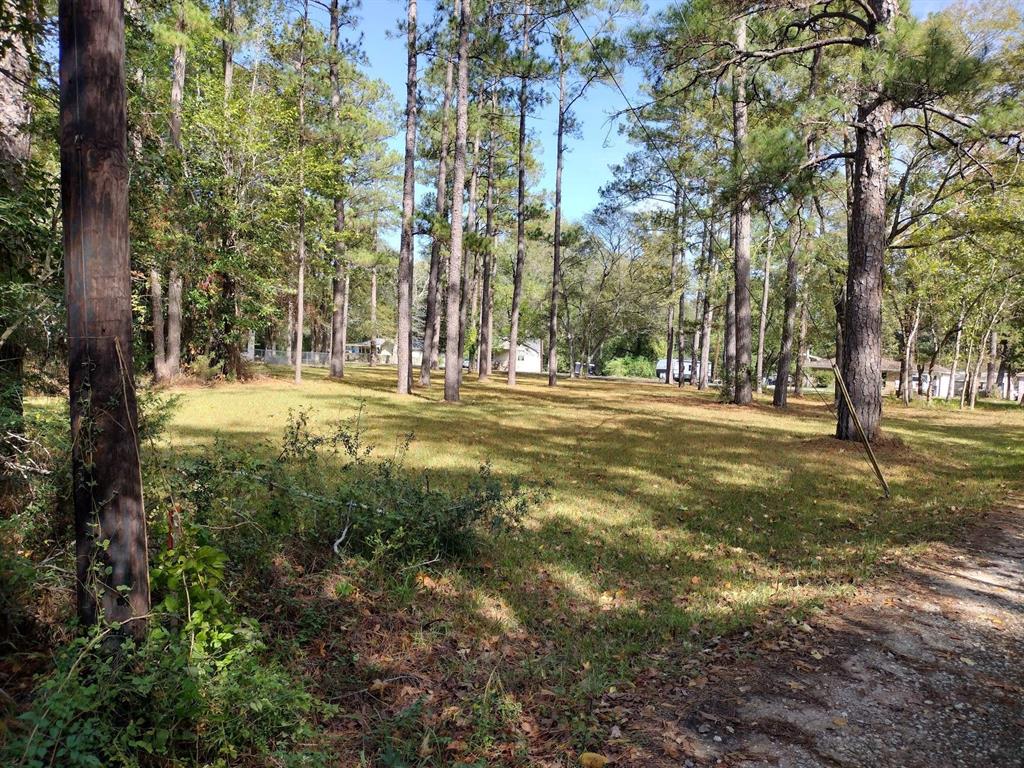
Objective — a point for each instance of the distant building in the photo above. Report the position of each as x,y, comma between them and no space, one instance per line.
659,369
528,357
361,351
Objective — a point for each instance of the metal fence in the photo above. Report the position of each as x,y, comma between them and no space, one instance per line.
281,357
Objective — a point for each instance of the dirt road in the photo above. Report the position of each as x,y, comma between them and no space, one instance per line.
925,670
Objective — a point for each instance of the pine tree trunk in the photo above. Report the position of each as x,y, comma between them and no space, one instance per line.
862,348
339,295
670,322
862,351
487,298
556,261
801,354
452,351
290,345
990,367
228,46
468,291
698,303
173,337
435,337
338,282
156,299
112,578
703,265
570,340
406,255
374,331
708,319
346,302
728,381
789,315
956,359
178,78
680,343
909,336
741,374
976,374
474,310
1003,371
517,275
228,342
967,374
15,149
431,325
762,323
15,109
300,289
840,310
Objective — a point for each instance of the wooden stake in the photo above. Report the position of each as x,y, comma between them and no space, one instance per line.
860,430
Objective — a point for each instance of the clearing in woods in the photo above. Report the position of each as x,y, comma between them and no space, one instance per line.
694,568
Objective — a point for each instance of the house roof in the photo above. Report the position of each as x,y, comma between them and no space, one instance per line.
889,364
380,343
534,344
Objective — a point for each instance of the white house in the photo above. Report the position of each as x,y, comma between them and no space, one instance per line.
361,351
528,358
687,373
943,381
1008,388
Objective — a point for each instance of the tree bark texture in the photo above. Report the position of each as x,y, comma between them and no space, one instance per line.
487,297
110,522
452,352
862,348
517,276
556,261
789,315
431,324
173,340
156,299
762,322
741,374
406,255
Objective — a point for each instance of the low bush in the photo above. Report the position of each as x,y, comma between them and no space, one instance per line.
174,700
630,366
203,369
202,688
329,491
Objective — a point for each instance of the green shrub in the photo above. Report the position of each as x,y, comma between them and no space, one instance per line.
629,366
164,702
36,519
199,690
203,368
329,490
202,689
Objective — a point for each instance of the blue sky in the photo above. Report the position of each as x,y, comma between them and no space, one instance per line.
589,157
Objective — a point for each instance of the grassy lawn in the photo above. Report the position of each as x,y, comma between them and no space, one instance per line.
670,520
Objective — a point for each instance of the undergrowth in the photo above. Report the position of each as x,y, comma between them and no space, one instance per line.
204,687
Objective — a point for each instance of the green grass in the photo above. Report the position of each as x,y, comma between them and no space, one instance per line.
670,518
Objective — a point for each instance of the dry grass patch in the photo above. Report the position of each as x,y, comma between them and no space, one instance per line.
670,520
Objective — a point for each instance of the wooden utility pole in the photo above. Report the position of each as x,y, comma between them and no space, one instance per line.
110,522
